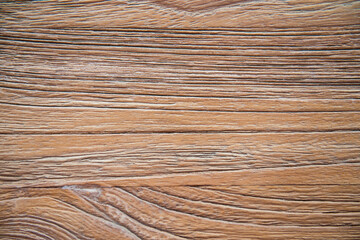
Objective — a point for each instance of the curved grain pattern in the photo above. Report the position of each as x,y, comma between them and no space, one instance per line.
55,219
246,215
299,193
176,213
303,198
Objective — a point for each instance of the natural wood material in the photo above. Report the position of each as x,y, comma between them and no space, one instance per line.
222,212
176,159
180,119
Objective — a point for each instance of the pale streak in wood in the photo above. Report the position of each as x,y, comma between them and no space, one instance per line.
76,74
25,119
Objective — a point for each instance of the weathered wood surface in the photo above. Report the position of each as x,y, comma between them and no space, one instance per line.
187,212
176,159
180,119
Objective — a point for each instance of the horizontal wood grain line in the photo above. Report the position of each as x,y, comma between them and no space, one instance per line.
116,94
199,78
240,30
185,109
24,96
19,119
103,156
111,51
50,160
343,174
274,196
242,148
114,45
110,133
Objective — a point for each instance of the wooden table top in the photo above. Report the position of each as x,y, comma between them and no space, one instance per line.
180,119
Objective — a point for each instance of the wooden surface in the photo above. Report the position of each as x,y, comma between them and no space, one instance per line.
180,119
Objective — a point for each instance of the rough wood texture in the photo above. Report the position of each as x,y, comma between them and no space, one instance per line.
176,159
180,119
261,212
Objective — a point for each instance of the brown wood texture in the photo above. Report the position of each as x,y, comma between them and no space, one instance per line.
180,119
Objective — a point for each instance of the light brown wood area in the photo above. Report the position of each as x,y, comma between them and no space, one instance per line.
180,119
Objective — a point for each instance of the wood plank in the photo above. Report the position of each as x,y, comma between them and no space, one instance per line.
177,70
310,175
38,120
180,119
75,212
246,69
20,96
129,80
180,13
241,158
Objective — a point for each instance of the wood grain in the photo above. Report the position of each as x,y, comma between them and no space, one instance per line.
312,212
191,14
180,119
233,158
